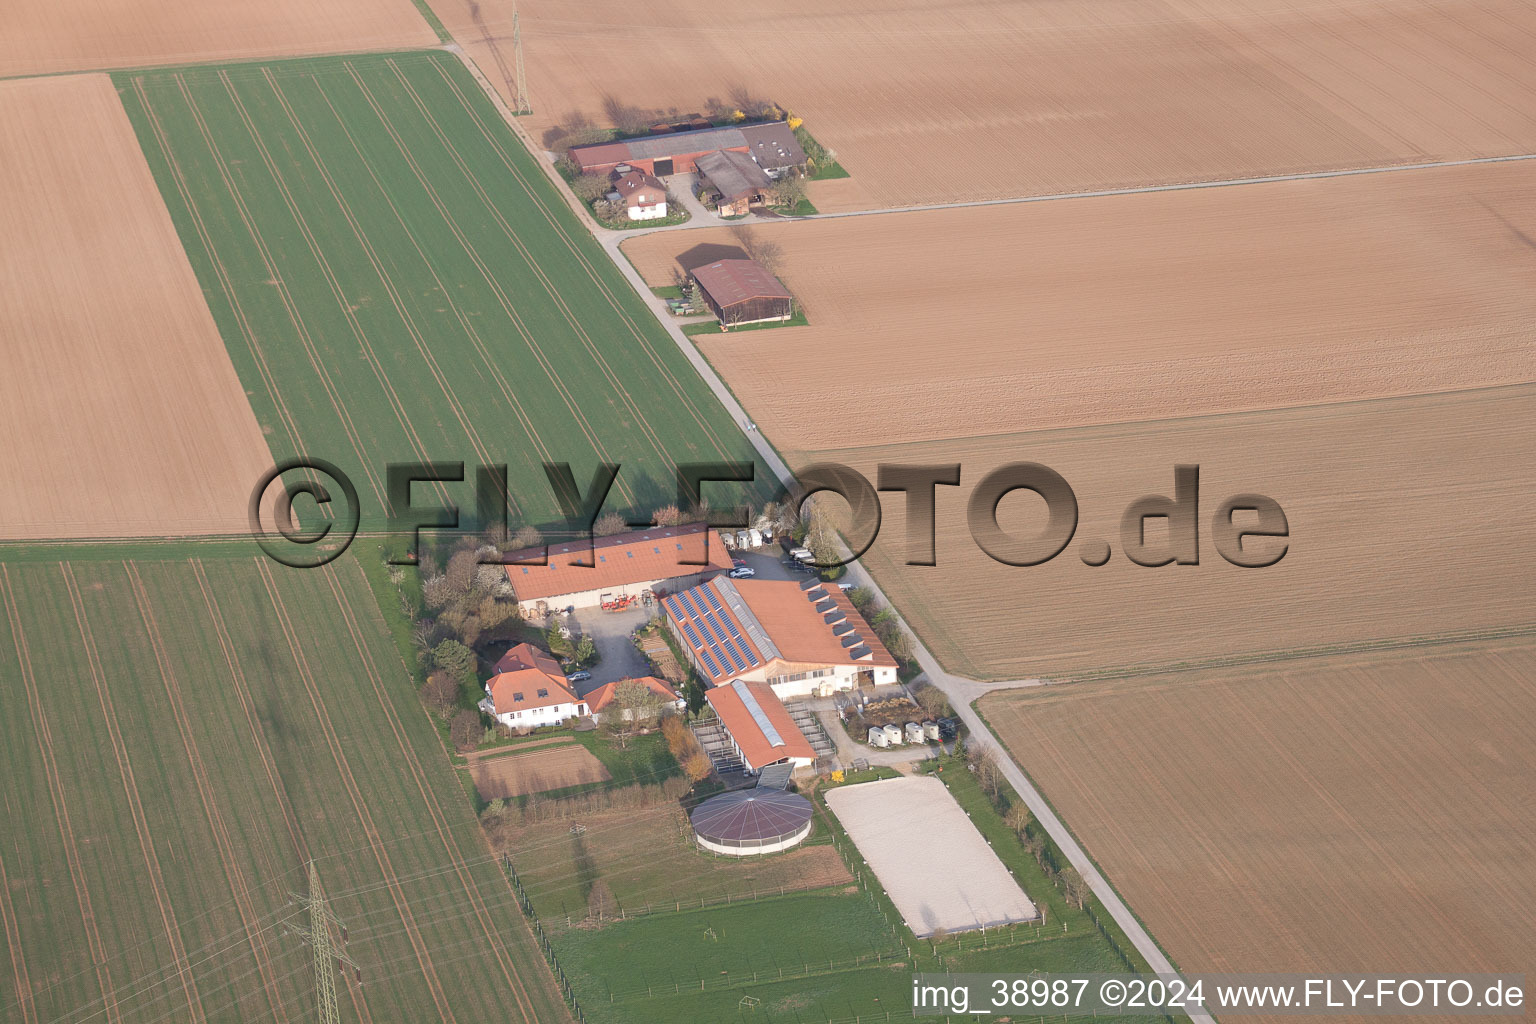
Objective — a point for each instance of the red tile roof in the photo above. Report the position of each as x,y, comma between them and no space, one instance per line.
526,678
763,621
733,703
642,556
603,695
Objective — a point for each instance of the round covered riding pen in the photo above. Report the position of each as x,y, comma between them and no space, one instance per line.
750,822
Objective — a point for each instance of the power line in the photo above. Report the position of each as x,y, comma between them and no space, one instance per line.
321,934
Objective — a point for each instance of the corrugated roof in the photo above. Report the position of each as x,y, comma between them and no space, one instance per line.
640,556
773,143
733,174
731,281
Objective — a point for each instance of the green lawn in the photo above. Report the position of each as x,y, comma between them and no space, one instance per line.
179,737
713,326
397,280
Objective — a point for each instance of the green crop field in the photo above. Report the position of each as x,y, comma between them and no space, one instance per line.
397,280
180,736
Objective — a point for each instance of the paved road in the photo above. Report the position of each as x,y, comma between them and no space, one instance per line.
618,657
962,692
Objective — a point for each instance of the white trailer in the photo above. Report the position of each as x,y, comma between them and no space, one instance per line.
893,735
914,733
743,539
931,730
756,537
877,737
728,539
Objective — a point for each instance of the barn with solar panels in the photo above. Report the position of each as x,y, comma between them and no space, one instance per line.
750,822
802,639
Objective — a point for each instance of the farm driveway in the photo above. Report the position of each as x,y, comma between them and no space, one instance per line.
618,658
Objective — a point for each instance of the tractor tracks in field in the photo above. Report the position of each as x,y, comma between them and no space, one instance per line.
355,796
429,800
131,792
239,888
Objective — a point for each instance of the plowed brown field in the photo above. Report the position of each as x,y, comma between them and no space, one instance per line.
978,321
1341,814
120,413
537,771
1409,517
974,99
48,36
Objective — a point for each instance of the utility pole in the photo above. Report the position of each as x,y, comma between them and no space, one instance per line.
321,936
523,104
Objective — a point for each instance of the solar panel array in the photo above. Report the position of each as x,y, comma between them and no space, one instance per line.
711,632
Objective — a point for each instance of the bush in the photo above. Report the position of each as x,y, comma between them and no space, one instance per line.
440,693
455,659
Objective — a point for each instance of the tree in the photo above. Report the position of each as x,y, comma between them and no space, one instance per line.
788,191
461,571
1036,848
936,937
634,705
698,767
600,902
527,537
1073,887
590,186
1018,819
667,515
693,692
558,643
586,650
440,693
456,659
764,250
984,764
465,732
608,524
933,701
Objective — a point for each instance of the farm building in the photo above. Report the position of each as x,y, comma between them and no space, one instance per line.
771,145
749,822
625,568
601,697
643,196
736,181
527,689
799,638
743,292
759,728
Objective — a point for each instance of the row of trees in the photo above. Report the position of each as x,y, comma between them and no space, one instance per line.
984,765
686,749
500,820
883,621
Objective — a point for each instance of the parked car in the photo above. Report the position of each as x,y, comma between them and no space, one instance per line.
742,572
738,563
579,677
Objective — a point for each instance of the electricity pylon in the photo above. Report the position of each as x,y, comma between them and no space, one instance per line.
321,937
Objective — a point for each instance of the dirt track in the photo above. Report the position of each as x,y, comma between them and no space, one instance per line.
966,99
121,413
49,36
536,771
1343,814
990,320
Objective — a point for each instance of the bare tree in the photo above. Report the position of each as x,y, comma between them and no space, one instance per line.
984,764
465,731
590,186
1018,819
936,938
608,524
764,250
527,537
932,700
667,515
440,693
1073,887
634,706
788,191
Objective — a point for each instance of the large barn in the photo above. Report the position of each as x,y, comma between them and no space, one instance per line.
743,292
772,146
736,180
625,566
801,639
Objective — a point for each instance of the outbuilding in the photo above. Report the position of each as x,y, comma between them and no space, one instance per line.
743,292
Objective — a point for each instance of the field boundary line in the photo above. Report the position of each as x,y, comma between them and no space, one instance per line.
131,791
239,889
678,390
301,329
429,801
494,284
556,298
349,783
60,802
247,705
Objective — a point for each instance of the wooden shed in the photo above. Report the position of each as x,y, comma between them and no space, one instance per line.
743,292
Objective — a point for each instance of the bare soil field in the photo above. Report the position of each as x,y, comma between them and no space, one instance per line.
992,320
40,37
972,99
1354,813
120,413
1408,518
537,771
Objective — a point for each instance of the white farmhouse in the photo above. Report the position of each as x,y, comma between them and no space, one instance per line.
528,690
